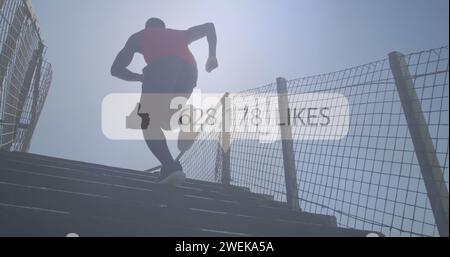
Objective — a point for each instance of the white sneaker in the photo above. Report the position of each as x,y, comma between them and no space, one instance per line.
176,178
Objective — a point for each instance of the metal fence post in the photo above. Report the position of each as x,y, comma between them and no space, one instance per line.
426,154
290,171
226,140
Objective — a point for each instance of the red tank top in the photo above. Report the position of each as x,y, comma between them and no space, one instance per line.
157,43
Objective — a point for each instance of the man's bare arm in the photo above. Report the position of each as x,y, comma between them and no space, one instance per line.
123,60
206,30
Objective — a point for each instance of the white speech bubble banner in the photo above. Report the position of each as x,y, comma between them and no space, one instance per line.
312,116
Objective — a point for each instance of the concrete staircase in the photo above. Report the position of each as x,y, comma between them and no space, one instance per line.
45,196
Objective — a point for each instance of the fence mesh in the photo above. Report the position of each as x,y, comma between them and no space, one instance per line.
370,179
24,76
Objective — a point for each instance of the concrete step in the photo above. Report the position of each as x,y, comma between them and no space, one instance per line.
49,163
113,178
22,221
42,196
102,206
98,167
159,195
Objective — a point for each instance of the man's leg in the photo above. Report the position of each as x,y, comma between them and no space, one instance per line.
162,78
186,137
186,82
157,144
154,105
171,171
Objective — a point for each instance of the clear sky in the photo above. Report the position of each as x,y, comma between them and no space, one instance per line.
259,40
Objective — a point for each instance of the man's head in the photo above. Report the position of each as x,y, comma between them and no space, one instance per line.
155,23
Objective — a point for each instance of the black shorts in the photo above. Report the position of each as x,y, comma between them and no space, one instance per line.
164,80
169,75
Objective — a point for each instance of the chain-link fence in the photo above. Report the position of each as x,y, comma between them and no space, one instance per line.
390,173
25,76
